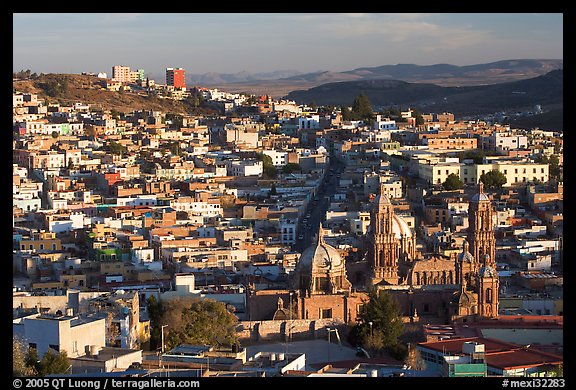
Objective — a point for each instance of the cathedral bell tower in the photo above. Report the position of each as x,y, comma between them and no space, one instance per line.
481,229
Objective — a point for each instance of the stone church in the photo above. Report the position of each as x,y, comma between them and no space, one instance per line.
462,287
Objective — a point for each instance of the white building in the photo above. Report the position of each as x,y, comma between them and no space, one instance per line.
244,168
73,334
279,159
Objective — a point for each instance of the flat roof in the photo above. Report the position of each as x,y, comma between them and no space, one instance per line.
499,354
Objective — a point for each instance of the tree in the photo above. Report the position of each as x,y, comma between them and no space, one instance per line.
362,108
32,361
55,134
453,182
554,166
380,323
116,148
198,321
493,179
346,113
54,362
155,313
291,167
19,366
267,165
419,118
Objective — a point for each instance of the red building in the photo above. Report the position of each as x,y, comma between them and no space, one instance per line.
175,77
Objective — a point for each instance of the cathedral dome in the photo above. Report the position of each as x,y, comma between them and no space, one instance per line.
480,196
465,255
321,255
400,227
464,298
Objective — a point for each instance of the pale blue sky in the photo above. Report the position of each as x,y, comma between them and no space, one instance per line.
262,42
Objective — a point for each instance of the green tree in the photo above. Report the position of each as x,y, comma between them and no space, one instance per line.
115,148
453,182
267,165
380,323
554,166
19,366
32,361
273,190
362,108
198,321
419,118
54,362
291,167
493,179
155,314
347,115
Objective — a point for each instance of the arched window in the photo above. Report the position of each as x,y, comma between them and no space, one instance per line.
424,278
417,274
488,295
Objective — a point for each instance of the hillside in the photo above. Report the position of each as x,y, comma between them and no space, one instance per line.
444,75
87,89
546,90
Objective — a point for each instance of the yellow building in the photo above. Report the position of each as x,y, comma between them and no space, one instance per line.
515,172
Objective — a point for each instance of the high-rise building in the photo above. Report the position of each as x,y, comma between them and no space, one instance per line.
121,73
124,74
175,77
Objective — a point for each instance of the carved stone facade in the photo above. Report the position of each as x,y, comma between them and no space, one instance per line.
469,280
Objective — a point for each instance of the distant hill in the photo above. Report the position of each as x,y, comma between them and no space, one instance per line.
445,75
546,90
223,78
87,89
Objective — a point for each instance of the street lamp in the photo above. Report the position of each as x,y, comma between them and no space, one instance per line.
162,349
370,323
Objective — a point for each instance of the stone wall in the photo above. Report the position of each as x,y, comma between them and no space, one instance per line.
282,330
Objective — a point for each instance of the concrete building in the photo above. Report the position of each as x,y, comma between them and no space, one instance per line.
175,77
501,358
73,334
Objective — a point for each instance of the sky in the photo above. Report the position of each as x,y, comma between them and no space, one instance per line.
264,42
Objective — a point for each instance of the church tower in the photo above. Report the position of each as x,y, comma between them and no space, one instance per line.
384,244
487,290
480,229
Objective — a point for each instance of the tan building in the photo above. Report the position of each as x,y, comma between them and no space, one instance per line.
451,143
515,172
438,173
42,242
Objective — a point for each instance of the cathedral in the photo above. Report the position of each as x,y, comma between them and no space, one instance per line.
462,287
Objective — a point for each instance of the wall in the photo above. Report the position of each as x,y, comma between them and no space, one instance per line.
279,330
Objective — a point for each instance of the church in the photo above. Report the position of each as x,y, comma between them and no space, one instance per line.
457,288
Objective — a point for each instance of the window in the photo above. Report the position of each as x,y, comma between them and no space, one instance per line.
74,346
41,246
31,247
53,247
516,170
534,170
326,313
505,171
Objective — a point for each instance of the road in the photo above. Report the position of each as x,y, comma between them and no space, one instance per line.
317,209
